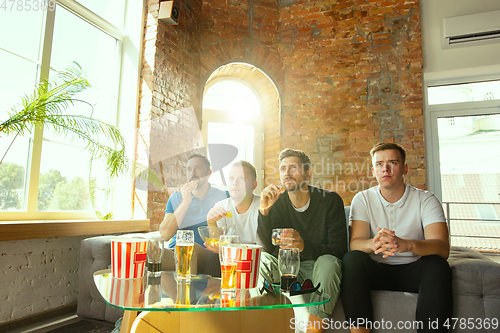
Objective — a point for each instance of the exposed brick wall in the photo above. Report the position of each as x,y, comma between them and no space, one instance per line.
168,119
349,74
244,30
38,275
353,78
247,31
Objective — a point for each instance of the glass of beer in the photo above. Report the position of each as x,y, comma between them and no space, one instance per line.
289,265
183,299
228,255
184,245
277,239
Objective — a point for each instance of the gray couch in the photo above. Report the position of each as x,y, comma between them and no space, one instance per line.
95,254
476,291
476,294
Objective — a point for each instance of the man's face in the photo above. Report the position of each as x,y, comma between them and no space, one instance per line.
292,174
197,171
241,183
388,168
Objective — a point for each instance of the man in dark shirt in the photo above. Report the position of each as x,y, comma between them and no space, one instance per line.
315,224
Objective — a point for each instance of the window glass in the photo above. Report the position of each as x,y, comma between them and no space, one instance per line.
63,183
469,92
25,26
234,97
64,170
110,10
13,173
59,163
469,149
95,52
19,77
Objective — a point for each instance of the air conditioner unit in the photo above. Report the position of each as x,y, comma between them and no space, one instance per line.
472,29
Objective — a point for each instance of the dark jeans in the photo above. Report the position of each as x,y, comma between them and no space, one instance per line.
429,276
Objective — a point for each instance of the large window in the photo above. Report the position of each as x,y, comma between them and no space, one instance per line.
44,175
464,151
232,114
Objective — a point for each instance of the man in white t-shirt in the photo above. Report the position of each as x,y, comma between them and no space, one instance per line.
399,242
242,204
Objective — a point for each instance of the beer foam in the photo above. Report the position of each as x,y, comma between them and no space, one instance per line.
184,244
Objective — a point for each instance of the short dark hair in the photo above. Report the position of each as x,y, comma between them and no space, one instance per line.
247,165
388,146
304,159
203,157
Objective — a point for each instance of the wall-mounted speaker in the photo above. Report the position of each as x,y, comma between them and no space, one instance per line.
169,13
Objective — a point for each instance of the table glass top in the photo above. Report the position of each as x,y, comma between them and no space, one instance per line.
201,293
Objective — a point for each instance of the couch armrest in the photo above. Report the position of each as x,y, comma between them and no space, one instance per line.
95,254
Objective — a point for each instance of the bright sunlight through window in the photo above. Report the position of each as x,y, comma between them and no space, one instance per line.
234,97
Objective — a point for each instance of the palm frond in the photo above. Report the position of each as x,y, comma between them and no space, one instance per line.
93,132
46,107
52,96
145,173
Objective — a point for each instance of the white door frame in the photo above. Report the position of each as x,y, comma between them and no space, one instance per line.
210,115
432,161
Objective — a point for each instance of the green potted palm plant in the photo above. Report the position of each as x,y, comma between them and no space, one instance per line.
47,106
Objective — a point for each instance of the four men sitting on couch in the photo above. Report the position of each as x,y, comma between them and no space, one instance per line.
399,237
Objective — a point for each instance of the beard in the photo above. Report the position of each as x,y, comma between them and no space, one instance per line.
293,185
200,181
290,186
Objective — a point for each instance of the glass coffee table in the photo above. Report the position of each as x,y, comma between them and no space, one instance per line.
198,305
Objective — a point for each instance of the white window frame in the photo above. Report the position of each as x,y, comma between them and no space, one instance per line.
130,51
433,112
210,115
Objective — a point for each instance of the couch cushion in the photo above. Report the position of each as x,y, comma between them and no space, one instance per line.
476,284
474,273
95,254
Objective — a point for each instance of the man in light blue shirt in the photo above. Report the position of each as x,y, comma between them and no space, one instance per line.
187,209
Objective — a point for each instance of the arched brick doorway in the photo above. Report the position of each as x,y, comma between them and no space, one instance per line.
267,123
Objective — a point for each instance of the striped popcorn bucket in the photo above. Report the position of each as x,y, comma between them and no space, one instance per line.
128,257
127,292
245,298
247,271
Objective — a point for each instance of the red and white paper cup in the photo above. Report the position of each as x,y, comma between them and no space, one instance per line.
128,257
247,271
245,298
127,292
